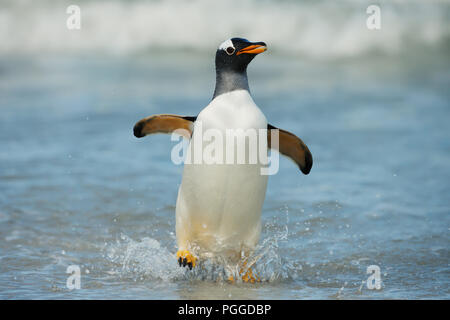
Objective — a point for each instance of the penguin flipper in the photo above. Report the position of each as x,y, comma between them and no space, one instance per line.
293,147
164,123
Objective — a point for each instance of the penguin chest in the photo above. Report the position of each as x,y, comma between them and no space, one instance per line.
221,197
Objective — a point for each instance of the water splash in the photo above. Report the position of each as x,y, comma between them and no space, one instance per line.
143,259
147,259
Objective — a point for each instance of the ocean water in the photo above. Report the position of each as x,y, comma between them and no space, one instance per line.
77,188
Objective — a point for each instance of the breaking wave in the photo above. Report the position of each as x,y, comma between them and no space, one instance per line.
325,29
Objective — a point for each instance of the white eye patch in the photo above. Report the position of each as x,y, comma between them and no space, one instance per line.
226,44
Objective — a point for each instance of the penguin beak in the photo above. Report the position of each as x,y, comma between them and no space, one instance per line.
254,48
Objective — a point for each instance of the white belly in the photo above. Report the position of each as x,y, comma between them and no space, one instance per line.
219,205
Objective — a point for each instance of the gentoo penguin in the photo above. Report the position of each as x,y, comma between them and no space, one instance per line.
218,209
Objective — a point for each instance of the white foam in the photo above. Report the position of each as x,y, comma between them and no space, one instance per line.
313,28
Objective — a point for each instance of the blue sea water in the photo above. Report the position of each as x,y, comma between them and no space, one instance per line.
77,188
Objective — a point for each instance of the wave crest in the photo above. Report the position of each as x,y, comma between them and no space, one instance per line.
325,29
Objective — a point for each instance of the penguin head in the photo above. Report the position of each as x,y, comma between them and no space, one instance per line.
235,54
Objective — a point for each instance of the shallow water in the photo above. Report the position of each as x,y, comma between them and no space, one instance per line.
77,188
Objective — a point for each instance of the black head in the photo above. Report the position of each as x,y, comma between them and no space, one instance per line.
235,54
232,59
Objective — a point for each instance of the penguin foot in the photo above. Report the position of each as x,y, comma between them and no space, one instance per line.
246,275
185,258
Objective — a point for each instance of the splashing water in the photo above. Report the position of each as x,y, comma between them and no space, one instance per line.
147,259
143,259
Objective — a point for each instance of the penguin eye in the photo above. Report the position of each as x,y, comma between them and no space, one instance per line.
230,51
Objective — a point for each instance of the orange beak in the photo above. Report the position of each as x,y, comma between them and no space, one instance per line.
254,48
